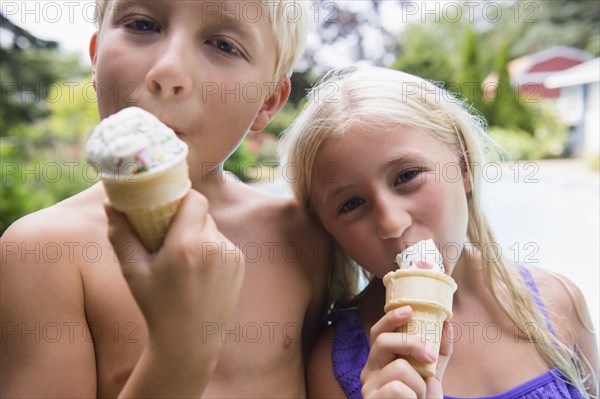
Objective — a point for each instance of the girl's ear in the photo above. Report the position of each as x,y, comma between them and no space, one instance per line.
467,175
272,105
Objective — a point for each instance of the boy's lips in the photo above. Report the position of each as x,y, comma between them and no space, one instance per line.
177,130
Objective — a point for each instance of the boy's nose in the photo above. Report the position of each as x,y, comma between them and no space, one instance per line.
170,75
392,218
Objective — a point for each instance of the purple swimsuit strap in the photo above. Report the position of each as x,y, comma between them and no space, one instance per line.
536,294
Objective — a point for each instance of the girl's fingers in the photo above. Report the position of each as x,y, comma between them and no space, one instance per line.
390,322
393,389
389,346
397,371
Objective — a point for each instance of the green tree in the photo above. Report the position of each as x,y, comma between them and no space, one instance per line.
423,51
545,24
469,77
28,68
507,108
42,122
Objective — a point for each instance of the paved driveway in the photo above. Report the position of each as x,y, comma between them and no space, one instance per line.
548,214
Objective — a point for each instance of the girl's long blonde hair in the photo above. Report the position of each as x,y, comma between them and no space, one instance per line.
378,96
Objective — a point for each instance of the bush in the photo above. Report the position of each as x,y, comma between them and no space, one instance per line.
520,145
36,183
241,161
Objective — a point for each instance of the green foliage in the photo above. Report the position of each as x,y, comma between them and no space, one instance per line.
424,52
507,109
469,76
32,184
241,161
567,22
28,77
41,160
244,161
41,124
282,120
549,139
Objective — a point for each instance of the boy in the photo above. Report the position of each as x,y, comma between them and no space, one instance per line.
79,322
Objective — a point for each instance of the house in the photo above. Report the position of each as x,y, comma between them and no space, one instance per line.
528,73
579,105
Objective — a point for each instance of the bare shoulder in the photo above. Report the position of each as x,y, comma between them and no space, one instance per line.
268,217
568,312
562,295
290,216
67,219
42,291
288,237
321,381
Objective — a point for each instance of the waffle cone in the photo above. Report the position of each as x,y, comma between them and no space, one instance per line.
429,293
150,200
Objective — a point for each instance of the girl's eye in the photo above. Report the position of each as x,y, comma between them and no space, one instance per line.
407,176
351,204
224,46
142,25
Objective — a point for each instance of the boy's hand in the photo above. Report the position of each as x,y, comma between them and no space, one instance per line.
387,376
190,287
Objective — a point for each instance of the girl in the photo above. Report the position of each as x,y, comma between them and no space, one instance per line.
369,148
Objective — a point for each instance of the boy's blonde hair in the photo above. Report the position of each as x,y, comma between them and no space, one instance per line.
290,19
386,99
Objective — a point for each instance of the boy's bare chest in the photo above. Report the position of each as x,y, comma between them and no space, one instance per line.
264,339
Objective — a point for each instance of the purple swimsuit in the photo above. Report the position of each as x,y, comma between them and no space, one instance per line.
351,350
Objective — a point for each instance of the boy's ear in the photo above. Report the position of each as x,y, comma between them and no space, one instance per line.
93,49
272,105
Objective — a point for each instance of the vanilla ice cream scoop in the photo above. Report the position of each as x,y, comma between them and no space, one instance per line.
144,170
423,251
133,141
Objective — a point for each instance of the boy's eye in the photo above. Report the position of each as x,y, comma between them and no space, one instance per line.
351,204
224,46
143,26
406,176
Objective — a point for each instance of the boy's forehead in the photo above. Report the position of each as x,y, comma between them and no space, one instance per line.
231,12
248,10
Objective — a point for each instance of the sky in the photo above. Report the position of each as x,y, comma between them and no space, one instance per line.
70,23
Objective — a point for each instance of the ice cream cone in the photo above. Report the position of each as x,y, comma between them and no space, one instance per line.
150,200
143,166
429,293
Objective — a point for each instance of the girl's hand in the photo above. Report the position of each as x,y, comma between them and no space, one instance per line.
387,376
188,290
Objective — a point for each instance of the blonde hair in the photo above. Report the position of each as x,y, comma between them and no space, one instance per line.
291,21
388,99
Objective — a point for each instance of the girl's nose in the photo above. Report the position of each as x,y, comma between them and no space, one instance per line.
170,75
392,217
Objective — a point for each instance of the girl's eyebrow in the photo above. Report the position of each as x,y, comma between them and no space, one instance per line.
409,158
331,194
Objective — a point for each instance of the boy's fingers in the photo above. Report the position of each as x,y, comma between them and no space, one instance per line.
125,242
192,211
390,322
